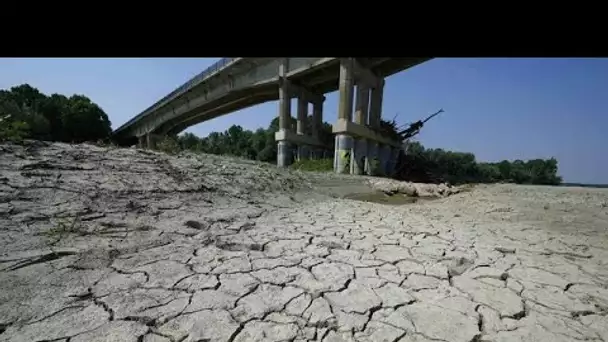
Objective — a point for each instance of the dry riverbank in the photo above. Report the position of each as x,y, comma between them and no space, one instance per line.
102,244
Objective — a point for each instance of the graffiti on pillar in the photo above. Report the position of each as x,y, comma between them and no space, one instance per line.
345,161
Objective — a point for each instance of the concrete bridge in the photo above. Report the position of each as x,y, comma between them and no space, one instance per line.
235,83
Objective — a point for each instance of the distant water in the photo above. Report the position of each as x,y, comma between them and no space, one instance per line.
585,185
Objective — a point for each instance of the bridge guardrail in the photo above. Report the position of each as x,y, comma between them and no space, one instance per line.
198,78
189,84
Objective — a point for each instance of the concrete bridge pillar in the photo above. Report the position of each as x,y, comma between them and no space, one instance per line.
362,104
372,161
317,123
284,155
342,158
384,154
360,146
151,141
359,155
376,154
359,152
344,141
303,150
375,112
394,156
141,142
303,140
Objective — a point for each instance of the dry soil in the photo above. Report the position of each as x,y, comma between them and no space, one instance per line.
103,244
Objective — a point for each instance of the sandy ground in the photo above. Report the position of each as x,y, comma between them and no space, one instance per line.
104,244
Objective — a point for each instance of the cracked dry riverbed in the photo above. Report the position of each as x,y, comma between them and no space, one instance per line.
105,244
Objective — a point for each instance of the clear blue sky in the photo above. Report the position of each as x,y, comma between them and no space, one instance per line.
496,108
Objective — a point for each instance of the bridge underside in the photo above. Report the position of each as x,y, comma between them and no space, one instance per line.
359,147
316,81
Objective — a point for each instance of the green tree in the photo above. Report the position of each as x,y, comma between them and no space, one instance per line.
83,120
55,118
437,165
504,167
22,104
189,141
12,130
27,96
53,109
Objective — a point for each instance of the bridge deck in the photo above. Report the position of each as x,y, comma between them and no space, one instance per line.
243,91
193,82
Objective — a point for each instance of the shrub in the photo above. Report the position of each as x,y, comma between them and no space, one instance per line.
317,165
168,145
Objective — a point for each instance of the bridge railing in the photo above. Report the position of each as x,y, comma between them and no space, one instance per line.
186,86
198,78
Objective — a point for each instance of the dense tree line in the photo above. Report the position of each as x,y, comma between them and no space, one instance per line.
26,113
416,163
437,165
258,145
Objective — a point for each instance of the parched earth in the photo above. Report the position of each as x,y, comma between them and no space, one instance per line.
100,244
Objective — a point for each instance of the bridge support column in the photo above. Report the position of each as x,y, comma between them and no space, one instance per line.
372,162
299,144
303,150
347,85
301,118
361,135
344,141
284,152
394,158
375,154
317,122
141,142
359,152
384,153
359,155
151,141
362,104
375,113
342,157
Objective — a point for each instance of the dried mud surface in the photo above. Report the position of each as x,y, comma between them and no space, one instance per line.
101,244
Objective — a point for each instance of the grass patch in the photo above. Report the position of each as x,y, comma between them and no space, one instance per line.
317,165
63,227
168,145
